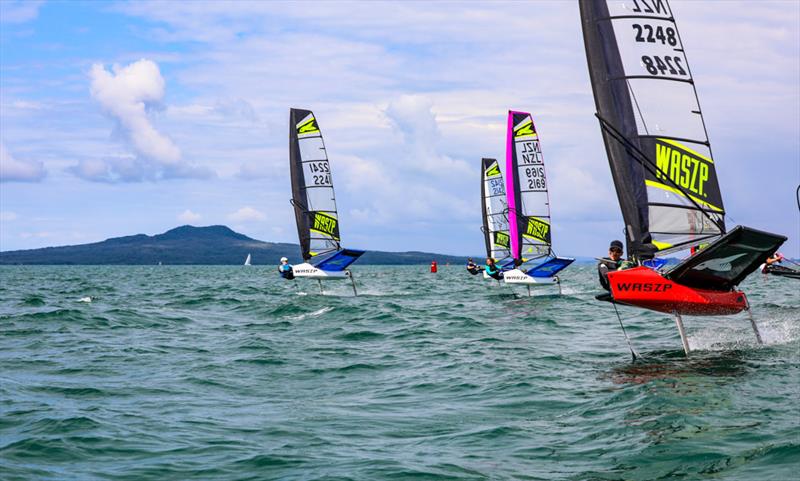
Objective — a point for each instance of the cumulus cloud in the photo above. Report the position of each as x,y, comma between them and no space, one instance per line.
414,117
189,217
127,94
14,170
246,214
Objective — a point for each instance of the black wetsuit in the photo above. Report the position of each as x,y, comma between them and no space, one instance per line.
603,267
472,268
287,273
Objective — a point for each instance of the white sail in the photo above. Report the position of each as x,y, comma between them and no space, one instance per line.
247,261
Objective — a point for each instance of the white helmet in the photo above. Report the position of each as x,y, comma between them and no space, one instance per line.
283,259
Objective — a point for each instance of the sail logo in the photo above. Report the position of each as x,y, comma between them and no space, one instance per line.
643,287
538,229
493,170
683,167
501,239
325,224
308,126
525,128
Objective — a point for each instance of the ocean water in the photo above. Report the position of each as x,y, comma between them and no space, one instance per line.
175,373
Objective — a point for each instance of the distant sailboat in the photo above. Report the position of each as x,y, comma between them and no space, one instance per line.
315,204
247,261
495,215
529,208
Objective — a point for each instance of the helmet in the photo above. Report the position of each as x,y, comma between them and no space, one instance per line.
283,259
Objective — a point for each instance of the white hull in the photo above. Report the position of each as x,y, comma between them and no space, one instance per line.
487,276
516,276
307,271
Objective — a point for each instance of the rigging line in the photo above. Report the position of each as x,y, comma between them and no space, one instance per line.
636,102
642,158
634,354
791,261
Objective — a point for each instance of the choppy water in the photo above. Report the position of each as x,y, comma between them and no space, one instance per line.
172,373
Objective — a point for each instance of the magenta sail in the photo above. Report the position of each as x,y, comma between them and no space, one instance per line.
528,200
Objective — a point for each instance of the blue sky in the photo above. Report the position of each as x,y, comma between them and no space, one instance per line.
124,118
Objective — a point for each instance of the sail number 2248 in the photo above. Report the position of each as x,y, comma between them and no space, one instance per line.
665,65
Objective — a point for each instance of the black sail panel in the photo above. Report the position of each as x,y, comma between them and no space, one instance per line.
613,103
652,126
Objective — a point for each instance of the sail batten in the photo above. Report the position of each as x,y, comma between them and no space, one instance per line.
652,125
312,187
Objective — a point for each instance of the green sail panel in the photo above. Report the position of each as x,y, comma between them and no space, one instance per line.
653,128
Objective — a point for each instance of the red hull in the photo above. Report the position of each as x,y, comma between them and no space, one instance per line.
644,287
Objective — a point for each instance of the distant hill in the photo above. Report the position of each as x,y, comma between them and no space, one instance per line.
212,245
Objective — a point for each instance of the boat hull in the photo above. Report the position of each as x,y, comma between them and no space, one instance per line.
307,271
644,287
516,276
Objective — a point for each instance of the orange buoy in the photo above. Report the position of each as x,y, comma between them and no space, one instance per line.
434,267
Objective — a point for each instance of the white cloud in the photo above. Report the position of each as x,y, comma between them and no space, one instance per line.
19,11
189,217
408,103
7,216
14,170
246,214
128,94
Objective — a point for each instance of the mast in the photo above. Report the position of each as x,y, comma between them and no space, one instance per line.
526,188
312,187
653,129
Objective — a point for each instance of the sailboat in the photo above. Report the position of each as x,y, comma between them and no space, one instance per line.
528,201
663,168
247,261
495,215
315,204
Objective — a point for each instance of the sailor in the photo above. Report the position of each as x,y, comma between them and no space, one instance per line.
472,268
286,270
492,270
771,263
613,262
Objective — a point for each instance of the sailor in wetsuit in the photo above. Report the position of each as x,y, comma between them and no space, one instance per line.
771,264
492,270
472,268
613,262
286,270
